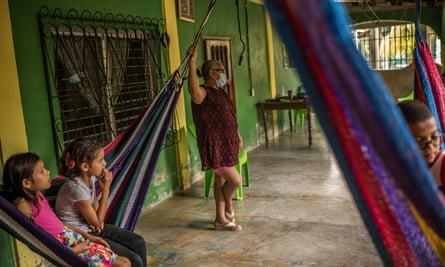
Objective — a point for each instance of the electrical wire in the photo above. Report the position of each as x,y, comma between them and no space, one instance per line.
249,67
240,34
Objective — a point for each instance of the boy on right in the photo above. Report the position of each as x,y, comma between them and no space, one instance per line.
423,127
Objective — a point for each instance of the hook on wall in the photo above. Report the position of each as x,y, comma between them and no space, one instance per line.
165,40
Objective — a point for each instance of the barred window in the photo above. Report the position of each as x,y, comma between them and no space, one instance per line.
103,71
391,46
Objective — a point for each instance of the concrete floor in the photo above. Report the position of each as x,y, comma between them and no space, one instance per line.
296,212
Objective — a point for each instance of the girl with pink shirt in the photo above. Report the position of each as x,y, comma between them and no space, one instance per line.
24,178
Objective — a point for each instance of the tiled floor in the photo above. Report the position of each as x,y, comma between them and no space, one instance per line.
296,212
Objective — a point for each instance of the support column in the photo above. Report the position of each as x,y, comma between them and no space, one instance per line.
271,64
13,137
174,60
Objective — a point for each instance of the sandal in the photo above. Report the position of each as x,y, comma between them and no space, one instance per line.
230,226
230,216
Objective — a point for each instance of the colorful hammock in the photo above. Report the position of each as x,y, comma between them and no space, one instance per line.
44,244
133,155
428,85
132,158
383,167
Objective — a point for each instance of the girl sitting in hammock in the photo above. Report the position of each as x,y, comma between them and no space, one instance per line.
77,204
24,178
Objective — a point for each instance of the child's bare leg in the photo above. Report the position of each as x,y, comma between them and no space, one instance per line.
121,262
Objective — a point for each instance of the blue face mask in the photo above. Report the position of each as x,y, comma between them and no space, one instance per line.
222,80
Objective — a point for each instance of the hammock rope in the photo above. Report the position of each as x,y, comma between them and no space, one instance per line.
429,87
132,158
382,165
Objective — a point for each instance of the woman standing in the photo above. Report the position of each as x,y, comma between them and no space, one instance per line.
217,135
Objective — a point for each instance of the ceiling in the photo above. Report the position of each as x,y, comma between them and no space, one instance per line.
359,6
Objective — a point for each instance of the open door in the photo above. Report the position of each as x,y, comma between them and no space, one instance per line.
220,48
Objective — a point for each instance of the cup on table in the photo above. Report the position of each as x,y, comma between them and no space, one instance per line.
289,94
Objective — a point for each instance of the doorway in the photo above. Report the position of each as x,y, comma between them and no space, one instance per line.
220,48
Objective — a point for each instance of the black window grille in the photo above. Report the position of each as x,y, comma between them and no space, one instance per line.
103,71
391,47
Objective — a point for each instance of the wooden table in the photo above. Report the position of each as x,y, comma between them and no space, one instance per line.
290,105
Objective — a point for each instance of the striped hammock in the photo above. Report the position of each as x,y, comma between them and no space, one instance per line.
132,158
133,155
391,184
15,223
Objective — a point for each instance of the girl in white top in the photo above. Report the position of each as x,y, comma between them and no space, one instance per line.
77,203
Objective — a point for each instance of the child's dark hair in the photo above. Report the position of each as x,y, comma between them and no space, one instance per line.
415,111
77,152
17,168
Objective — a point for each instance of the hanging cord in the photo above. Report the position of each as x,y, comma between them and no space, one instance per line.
240,34
419,36
377,19
173,137
182,68
249,69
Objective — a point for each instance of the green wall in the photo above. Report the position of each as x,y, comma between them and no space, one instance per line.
6,253
31,72
30,65
223,22
30,61
286,78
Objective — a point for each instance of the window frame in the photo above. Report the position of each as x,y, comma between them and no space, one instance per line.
131,29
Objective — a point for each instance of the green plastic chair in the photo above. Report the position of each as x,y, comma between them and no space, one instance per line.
298,114
408,97
242,167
